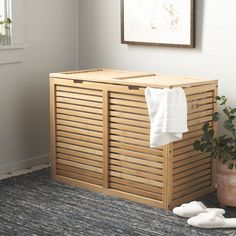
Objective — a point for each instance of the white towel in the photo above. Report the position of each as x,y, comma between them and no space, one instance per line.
167,110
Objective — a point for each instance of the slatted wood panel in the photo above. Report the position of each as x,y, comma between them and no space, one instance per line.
134,167
192,171
79,141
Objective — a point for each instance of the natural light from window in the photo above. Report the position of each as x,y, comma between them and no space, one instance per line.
2,9
5,22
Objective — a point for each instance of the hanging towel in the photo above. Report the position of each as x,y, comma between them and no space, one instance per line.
167,110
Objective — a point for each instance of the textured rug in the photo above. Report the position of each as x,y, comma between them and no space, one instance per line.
33,204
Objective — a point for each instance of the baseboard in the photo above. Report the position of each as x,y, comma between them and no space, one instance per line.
24,164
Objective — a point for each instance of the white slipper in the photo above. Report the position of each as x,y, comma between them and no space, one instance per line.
212,220
194,208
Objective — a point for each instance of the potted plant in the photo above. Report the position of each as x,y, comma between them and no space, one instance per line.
223,148
4,30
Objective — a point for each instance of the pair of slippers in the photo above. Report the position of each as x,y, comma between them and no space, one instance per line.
202,217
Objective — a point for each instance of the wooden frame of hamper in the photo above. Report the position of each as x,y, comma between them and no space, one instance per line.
100,137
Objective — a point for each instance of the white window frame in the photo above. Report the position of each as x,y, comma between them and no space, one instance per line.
8,8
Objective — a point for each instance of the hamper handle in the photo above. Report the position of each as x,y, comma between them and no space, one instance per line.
132,87
78,81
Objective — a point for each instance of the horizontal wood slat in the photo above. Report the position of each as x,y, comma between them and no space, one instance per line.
129,110
200,96
128,103
79,165
187,191
79,96
129,97
79,125
198,108
191,183
144,162
79,148
83,172
138,192
201,120
190,178
78,114
130,122
79,137
134,165
79,154
78,90
138,173
83,120
185,156
191,159
192,165
129,116
79,159
79,177
130,128
79,143
154,158
82,109
149,188
134,148
137,179
129,140
199,89
75,104
192,171
200,114
130,134
79,131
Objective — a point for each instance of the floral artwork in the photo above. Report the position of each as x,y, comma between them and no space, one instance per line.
163,22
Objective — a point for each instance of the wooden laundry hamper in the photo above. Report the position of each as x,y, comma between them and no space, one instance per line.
100,137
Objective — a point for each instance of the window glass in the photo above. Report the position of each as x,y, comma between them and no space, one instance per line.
2,9
5,23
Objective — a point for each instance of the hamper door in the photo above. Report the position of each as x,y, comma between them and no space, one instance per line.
134,167
78,126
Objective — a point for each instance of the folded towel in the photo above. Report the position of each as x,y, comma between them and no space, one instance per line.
167,110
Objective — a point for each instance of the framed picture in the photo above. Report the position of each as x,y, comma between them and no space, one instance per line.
158,22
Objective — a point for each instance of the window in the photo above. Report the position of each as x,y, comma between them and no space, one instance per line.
5,22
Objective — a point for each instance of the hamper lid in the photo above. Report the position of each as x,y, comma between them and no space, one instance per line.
167,81
122,77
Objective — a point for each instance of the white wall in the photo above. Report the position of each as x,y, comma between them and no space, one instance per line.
49,33
214,57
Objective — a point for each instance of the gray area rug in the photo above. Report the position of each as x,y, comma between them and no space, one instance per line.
33,204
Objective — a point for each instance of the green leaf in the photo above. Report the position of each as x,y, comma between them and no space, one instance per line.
196,145
223,100
207,136
231,118
205,127
226,111
8,21
203,147
228,125
215,154
218,98
216,116
233,111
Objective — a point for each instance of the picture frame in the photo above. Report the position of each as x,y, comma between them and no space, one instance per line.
169,23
